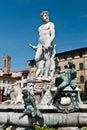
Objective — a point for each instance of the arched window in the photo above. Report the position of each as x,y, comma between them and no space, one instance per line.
73,55
81,66
65,57
82,79
59,68
4,63
80,54
74,65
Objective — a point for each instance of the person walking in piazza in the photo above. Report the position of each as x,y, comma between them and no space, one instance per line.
46,37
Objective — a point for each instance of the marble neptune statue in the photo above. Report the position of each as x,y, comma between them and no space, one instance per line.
44,48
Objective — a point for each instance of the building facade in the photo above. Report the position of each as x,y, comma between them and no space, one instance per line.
8,78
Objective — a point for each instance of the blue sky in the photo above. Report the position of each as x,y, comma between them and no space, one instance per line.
20,19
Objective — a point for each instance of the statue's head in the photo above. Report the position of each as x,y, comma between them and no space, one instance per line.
45,16
65,66
70,62
56,59
25,92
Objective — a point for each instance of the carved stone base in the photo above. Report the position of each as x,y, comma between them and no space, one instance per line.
67,100
9,114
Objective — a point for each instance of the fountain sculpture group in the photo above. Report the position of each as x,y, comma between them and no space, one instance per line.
48,99
47,65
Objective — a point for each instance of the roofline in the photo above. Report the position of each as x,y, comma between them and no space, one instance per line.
7,77
72,50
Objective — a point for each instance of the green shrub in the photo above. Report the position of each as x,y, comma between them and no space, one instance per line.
84,128
43,128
